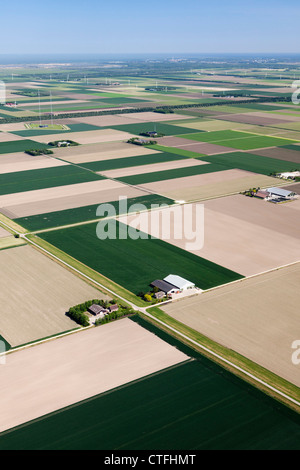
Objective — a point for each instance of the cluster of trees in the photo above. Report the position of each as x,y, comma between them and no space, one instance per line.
78,313
148,134
137,141
123,311
164,110
37,152
150,296
63,143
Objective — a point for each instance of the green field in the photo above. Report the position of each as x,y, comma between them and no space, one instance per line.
45,178
134,264
161,128
194,405
20,146
127,162
82,214
250,162
175,173
177,151
239,140
81,127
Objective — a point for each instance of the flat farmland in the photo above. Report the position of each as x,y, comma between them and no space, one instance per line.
130,352
252,239
280,153
38,293
60,198
138,160
101,151
202,409
22,181
258,318
238,139
251,162
16,162
151,168
212,125
88,137
134,264
193,146
6,137
20,146
3,233
156,126
188,170
85,213
204,186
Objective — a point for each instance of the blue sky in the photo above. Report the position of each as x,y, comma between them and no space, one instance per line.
136,26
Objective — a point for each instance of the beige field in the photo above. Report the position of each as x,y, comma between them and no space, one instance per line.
151,116
35,295
240,233
65,197
113,120
257,317
12,127
141,169
5,137
4,233
200,187
88,137
99,152
51,376
22,162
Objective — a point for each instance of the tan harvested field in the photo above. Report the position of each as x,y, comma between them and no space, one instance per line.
5,137
257,317
22,162
51,376
242,234
4,233
12,127
65,197
199,187
141,169
151,116
88,137
99,152
280,154
113,120
264,119
36,294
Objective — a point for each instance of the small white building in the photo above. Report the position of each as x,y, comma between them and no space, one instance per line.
179,282
289,175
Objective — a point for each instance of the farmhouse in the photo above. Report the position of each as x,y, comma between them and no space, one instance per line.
113,308
97,309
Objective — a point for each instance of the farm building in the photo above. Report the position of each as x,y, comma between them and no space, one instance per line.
179,282
289,175
164,286
113,308
280,193
172,284
159,295
97,309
